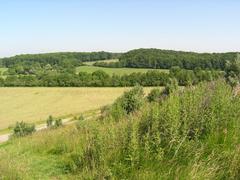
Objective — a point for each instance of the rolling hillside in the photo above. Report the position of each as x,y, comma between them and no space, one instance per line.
192,136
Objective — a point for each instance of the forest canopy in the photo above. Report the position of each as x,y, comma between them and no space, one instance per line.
165,59
59,59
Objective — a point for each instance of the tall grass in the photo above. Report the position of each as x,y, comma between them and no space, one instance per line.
193,134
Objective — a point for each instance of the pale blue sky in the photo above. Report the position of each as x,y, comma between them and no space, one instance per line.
37,26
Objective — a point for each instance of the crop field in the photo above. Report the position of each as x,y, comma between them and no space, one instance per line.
118,71
36,104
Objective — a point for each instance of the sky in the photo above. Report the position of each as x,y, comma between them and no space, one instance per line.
39,26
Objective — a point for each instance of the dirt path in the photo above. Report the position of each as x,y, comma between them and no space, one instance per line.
5,137
66,121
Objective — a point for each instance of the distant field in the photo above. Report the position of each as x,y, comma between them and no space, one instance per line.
36,104
2,70
110,71
108,61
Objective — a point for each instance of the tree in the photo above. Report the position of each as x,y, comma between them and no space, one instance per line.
165,59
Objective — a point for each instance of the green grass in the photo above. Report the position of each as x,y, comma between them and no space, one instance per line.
107,61
2,70
111,71
192,134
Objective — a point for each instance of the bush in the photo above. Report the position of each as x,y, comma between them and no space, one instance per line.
131,100
50,121
81,118
128,103
171,86
58,123
23,129
155,95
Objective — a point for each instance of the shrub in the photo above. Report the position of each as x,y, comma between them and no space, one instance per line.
58,123
171,86
50,121
155,95
128,103
23,129
131,100
81,118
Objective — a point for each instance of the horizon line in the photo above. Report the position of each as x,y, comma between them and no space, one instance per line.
67,51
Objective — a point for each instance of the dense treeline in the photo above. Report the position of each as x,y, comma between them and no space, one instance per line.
37,64
102,79
56,59
58,69
165,59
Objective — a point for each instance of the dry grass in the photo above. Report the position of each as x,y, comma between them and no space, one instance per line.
36,104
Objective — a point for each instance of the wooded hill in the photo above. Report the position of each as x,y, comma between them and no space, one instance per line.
139,58
58,59
165,59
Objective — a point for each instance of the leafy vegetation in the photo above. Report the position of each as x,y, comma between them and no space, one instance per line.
158,95
102,79
233,71
50,121
53,123
68,70
23,129
165,59
56,59
193,134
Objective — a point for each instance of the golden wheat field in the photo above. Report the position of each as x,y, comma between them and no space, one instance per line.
36,104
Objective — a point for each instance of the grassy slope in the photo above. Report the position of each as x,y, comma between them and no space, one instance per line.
110,71
36,104
192,136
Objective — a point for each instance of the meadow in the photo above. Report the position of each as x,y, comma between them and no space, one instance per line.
90,63
117,71
36,104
